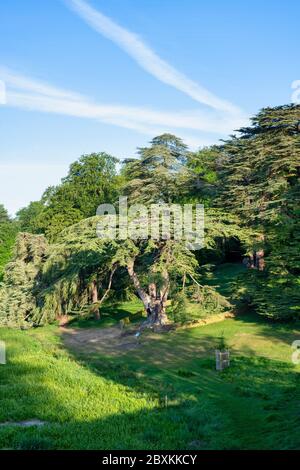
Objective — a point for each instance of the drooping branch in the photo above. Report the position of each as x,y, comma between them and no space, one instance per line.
200,285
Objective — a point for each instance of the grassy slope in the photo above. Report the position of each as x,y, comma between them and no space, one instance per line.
163,395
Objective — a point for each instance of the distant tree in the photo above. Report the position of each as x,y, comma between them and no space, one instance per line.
28,217
91,181
8,230
3,215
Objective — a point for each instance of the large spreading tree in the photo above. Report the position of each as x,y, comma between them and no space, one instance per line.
251,193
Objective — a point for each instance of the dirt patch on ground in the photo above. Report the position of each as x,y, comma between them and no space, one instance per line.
112,340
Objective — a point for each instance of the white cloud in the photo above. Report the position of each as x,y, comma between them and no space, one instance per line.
142,119
147,58
27,93
16,81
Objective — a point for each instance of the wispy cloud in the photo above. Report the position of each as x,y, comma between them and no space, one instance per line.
20,82
219,118
27,93
147,58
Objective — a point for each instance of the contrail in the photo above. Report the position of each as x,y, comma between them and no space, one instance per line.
29,84
27,93
147,58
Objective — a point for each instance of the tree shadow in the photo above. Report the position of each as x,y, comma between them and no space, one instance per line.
143,401
278,332
249,398
242,408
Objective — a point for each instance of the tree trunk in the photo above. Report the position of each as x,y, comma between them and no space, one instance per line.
260,261
252,261
145,298
154,303
95,299
96,310
164,293
183,282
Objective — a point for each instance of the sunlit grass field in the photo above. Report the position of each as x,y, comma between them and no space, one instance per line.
163,395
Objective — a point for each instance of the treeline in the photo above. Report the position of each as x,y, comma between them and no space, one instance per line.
250,188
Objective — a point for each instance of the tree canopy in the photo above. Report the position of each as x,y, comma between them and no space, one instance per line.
261,184
91,181
249,186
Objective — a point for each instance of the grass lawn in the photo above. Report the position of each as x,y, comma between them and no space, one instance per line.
165,394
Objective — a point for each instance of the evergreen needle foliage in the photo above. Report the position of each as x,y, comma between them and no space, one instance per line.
251,193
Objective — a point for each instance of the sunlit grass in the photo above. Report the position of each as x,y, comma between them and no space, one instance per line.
165,394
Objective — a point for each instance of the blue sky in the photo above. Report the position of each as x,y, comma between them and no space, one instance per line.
107,75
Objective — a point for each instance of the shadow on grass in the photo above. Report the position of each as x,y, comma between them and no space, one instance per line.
249,399
133,402
269,329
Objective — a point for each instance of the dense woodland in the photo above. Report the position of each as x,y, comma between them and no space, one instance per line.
52,264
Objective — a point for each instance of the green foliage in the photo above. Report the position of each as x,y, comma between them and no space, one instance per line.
249,186
153,178
273,295
77,261
222,343
4,217
179,313
261,167
208,300
8,230
21,277
201,179
74,262
261,184
28,217
91,181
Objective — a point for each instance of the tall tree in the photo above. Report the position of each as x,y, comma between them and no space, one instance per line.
153,178
159,176
261,184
